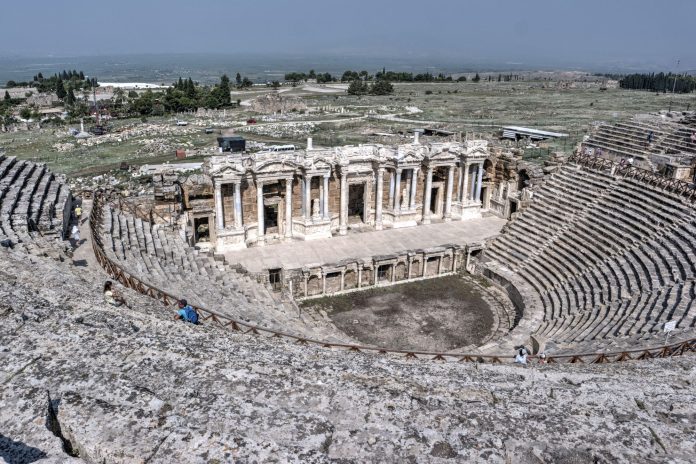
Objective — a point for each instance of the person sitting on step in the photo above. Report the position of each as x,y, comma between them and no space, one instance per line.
521,356
111,296
186,313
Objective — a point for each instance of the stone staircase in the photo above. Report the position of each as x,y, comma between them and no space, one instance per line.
158,255
610,259
32,206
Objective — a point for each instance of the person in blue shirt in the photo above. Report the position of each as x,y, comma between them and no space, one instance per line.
186,313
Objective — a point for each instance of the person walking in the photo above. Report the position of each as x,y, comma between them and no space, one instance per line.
75,236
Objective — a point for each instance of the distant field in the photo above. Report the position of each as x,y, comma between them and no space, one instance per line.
479,108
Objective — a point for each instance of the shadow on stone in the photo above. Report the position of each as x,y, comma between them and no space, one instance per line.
80,262
17,452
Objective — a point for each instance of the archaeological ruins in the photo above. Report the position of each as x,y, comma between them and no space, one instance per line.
266,197
588,259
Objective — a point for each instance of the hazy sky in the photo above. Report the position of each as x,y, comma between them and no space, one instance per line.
521,31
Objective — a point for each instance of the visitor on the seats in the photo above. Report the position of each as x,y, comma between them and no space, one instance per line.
186,313
111,296
521,356
630,161
650,137
693,137
75,236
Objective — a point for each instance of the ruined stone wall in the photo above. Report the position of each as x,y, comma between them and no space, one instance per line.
228,203
249,209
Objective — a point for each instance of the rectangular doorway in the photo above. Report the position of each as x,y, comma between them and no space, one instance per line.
356,201
433,200
270,219
201,229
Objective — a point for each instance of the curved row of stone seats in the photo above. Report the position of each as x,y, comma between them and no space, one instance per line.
32,205
631,138
159,256
609,257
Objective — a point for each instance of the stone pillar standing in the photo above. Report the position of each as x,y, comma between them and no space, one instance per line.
428,193
259,208
460,174
378,204
448,198
302,196
473,184
343,216
463,195
397,191
414,188
238,204
391,190
308,197
325,204
479,182
288,207
219,215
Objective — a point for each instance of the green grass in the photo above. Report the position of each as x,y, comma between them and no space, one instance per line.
474,108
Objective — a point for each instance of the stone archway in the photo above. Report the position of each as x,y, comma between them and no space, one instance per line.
446,263
314,286
431,266
333,282
416,270
400,271
350,279
367,277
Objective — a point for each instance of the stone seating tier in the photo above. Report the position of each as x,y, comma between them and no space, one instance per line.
158,255
608,257
630,139
32,202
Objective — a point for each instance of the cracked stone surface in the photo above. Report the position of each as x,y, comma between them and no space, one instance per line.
132,385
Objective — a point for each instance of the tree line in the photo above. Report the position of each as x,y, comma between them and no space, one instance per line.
321,78
659,82
63,80
182,95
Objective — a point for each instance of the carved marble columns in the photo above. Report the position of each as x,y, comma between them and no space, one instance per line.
219,216
308,197
473,183
378,204
397,191
448,198
428,193
259,208
343,216
414,183
288,207
463,193
325,197
238,204
479,182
